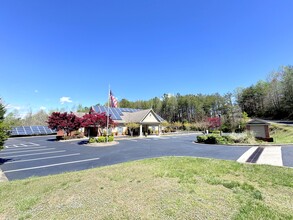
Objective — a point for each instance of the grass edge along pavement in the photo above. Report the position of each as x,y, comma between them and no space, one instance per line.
159,188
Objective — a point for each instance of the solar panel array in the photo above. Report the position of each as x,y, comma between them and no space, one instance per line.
115,113
31,130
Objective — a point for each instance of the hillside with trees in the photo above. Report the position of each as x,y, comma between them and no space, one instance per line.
271,99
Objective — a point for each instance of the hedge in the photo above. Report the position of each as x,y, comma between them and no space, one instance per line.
214,139
101,139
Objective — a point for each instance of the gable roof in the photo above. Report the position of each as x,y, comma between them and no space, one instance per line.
126,114
139,116
257,122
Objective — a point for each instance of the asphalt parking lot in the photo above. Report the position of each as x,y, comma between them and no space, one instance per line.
42,156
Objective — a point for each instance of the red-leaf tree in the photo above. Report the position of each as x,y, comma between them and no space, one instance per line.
214,122
64,121
96,120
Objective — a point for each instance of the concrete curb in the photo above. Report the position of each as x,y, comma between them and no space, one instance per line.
71,140
248,145
3,177
103,144
153,136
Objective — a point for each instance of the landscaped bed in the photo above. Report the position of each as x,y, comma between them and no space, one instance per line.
281,134
234,138
161,188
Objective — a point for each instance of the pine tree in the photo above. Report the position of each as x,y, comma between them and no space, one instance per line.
4,129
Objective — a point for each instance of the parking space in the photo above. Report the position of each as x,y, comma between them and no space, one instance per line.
27,158
41,156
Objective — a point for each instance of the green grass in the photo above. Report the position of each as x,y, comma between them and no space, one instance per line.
161,188
281,133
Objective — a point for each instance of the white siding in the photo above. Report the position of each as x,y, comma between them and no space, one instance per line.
150,118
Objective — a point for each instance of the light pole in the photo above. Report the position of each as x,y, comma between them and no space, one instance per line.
220,124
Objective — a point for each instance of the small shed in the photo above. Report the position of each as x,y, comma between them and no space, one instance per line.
260,128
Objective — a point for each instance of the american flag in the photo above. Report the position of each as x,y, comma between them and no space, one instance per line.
114,102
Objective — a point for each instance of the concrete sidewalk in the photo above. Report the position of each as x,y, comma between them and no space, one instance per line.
3,178
269,155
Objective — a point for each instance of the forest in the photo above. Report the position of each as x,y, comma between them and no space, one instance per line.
271,98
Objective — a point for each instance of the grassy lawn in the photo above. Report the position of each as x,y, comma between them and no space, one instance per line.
281,133
161,188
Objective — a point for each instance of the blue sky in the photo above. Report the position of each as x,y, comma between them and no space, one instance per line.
58,54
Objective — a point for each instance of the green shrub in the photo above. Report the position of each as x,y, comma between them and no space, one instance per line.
227,140
214,139
92,140
111,138
201,138
101,139
244,138
214,131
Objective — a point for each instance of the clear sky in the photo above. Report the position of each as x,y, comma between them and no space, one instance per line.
61,53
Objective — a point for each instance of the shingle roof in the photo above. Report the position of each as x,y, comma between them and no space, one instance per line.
135,116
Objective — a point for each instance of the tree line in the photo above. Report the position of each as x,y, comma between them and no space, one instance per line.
272,98
192,108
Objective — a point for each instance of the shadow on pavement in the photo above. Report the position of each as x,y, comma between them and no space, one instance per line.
2,161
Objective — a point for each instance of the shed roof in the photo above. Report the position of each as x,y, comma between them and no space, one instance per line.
257,122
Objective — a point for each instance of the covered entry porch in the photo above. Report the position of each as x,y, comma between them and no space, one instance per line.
149,129
149,122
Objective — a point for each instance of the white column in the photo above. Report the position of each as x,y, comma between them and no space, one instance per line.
159,129
140,130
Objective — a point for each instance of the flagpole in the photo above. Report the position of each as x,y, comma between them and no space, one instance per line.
108,113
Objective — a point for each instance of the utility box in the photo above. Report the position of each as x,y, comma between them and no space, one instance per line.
260,129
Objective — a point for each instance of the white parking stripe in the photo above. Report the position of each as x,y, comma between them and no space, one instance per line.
27,148
133,140
51,165
43,158
34,144
30,144
244,157
26,151
271,156
24,155
20,146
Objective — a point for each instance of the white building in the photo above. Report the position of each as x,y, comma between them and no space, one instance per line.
149,122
